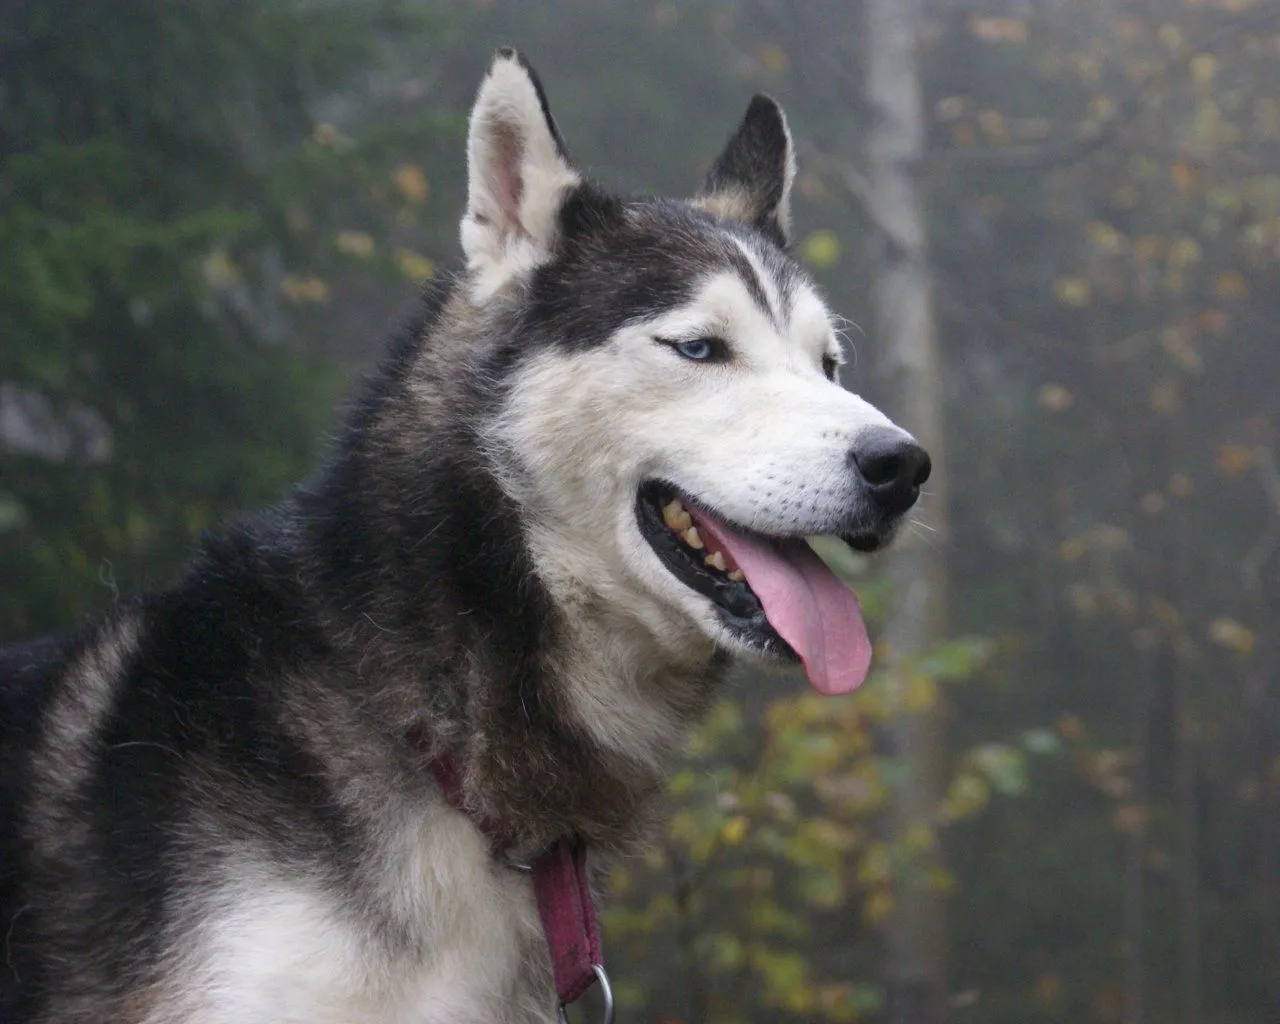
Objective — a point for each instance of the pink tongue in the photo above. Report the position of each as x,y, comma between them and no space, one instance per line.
806,603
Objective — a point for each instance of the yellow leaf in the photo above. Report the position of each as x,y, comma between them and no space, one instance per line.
1176,342
966,796
949,108
876,865
1073,291
1072,549
1109,1001
1212,321
681,783
1204,66
773,59
921,693
1233,460
918,838
1048,987
1110,537
1106,237
879,906
621,880
1230,284
1083,598
998,30
414,265
1232,635
1056,398
1185,252
1170,37
821,249
1180,485
220,270
1072,727
735,830
991,122
1108,769
1184,177
1164,396
939,879
411,182
1131,819
1166,614
354,243
304,289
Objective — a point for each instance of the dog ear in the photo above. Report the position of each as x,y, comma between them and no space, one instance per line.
518,175
751,179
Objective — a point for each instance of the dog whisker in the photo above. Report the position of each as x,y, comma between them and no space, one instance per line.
932,544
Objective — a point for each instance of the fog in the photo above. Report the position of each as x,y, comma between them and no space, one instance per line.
1052,229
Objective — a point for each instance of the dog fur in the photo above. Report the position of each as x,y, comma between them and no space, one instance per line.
216,803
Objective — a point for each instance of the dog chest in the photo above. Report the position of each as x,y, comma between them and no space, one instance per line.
450,935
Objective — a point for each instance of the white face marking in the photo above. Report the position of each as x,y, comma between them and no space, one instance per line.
764,439
773,293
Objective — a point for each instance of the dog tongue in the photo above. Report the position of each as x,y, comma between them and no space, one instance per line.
806,603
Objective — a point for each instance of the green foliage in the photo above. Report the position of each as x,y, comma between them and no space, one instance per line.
776,838
142,151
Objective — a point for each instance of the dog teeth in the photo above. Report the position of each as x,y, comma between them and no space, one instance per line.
675,516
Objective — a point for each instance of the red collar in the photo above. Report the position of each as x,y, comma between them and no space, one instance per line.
564,901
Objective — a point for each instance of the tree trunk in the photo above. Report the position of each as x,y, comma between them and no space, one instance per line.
910,375
1135,877
1186,755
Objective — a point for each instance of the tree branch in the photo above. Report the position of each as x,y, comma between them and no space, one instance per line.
857,189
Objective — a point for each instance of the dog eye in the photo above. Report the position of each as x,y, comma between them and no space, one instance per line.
699,349
829,367
702,350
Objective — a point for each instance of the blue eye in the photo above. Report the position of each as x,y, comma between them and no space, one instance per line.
701,350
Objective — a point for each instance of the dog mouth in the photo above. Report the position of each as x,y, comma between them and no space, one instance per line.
772,593
672,531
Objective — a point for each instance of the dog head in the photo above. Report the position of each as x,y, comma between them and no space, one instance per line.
671,420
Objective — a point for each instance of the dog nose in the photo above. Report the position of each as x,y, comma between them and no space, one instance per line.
893,467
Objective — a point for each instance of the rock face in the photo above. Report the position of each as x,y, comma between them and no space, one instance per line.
30,424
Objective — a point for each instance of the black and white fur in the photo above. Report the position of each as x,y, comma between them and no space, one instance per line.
216,808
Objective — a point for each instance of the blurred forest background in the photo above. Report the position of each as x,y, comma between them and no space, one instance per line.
1056,800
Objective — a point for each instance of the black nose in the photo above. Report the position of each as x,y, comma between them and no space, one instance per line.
893,467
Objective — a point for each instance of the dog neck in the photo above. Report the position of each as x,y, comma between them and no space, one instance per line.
563,717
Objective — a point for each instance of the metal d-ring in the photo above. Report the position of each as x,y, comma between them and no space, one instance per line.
606,992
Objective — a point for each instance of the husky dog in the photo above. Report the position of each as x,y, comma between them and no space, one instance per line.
576,488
